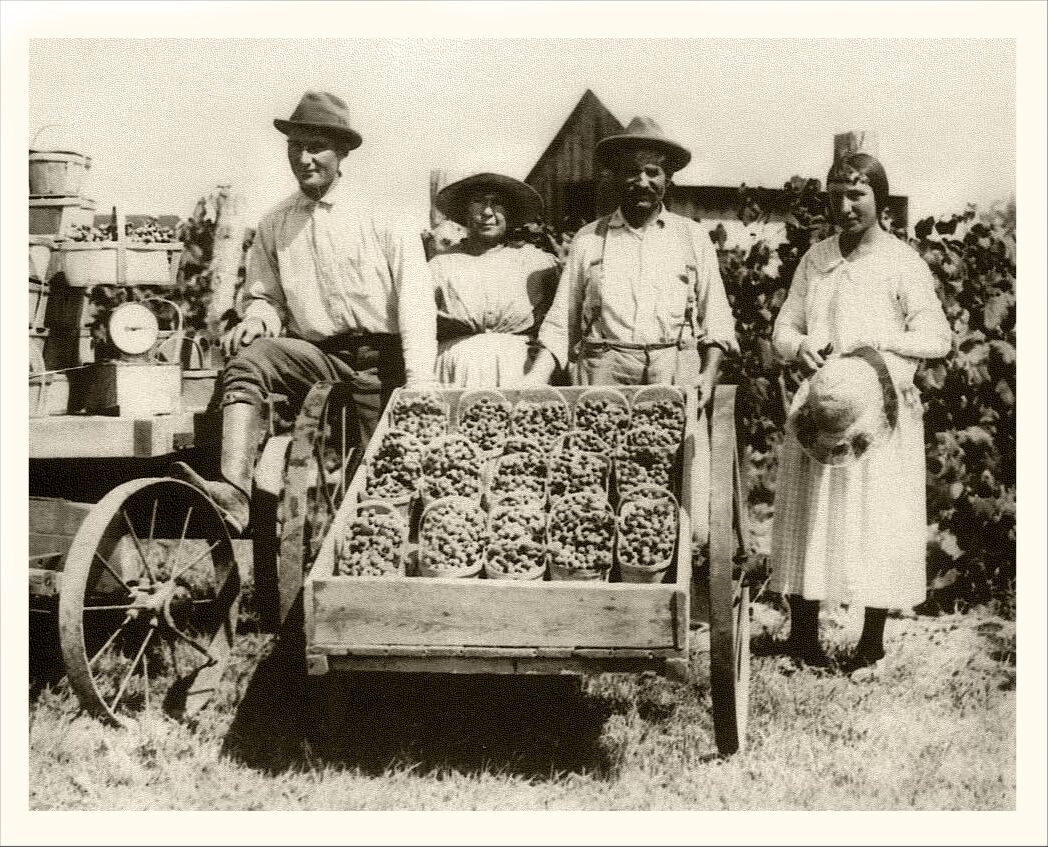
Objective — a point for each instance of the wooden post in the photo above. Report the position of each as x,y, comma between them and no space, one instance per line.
226,254
855,141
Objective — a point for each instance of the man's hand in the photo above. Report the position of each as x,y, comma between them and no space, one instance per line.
704,388
242,335
811,359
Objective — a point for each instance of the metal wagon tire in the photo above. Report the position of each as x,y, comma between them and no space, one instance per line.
729,611
149,602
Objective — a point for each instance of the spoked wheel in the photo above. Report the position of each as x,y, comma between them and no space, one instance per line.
149,602
319,465
729,598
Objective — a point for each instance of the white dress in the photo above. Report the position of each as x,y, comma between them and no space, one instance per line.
856,534
489,308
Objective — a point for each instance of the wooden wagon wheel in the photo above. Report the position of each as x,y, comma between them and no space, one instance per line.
729,601
299,484
149,601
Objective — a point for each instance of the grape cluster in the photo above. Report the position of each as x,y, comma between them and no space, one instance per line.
486,423
647,531
515,444
396,466
581,533
577,470
452,536
372,545
151,232
516,543
666,416
581,439
644,466
603,417
452,466
520,472
423,415
540,421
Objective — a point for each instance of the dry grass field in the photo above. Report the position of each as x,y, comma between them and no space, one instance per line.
934,728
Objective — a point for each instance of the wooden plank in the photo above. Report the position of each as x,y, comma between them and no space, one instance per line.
47,546
55,516
486,665
102,436
491,613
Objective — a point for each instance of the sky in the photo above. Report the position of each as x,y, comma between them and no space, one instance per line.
165,120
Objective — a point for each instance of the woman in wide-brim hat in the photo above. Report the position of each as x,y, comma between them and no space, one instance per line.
491,293
849,523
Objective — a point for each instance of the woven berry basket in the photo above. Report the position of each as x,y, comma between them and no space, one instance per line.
433,487
656,572
610,430
659,395
558,422
398,567
404,415
491,442
494,492
563,509
500,513
427,566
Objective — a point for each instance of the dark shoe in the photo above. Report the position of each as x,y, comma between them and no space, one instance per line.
860,660
766,645
812,657
230,500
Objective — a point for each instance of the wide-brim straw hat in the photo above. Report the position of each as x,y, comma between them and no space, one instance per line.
324,112
523,203
847,407
642,132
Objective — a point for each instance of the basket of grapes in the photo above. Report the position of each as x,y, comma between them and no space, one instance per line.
572,469
660,406
604,412
541,415
483,417
374,543
452,538
646,458
584,440
423,414
452,466
646,536
580,537
394,470
520,473
516,542
146,255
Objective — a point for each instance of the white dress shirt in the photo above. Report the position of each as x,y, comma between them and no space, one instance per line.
333,266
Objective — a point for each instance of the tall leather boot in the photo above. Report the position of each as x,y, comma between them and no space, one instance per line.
804,633
242,427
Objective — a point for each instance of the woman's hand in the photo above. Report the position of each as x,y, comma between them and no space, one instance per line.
242,335
704,387
811,359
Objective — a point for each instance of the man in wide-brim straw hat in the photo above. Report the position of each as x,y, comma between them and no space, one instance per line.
335,290
641,299
491,292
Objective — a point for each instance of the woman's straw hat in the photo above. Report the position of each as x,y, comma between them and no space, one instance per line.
849,406
523,202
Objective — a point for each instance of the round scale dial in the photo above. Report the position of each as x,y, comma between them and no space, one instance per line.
133,329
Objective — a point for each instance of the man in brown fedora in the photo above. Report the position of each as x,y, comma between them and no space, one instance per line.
641,299
335,290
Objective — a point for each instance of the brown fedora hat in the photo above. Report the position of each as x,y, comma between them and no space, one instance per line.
324,112
642,132
524,202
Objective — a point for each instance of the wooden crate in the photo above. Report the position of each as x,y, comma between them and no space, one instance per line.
500,626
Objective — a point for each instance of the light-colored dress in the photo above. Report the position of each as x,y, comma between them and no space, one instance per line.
856,534
489,308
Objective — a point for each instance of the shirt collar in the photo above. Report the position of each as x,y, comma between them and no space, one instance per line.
335,194
618,220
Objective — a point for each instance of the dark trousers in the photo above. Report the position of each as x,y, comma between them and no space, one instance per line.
281,371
